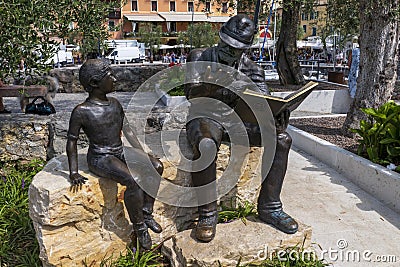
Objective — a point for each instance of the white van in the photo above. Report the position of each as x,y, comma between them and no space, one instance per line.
61,58
125,54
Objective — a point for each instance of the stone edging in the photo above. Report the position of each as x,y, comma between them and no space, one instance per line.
378,181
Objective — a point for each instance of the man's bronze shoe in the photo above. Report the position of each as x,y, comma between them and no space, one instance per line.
206,227
279,219
152,224
143,235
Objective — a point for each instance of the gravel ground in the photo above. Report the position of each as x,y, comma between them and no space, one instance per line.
329,129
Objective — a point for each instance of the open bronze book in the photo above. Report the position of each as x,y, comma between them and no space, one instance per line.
290,102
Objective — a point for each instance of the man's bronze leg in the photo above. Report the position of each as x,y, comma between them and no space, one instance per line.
269,203
208,215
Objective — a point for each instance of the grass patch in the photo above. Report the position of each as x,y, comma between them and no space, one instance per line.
239,209
19,246
136,258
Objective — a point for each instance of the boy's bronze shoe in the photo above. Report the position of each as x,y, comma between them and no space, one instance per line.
152,224
143,235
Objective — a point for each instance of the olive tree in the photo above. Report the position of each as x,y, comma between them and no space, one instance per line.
31,30
286,48
25,35
379,43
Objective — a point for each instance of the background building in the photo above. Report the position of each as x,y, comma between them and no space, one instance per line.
172,15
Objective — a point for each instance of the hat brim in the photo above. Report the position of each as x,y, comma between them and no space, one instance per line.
232,42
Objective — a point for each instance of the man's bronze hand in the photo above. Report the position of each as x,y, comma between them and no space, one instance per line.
282,121
77,179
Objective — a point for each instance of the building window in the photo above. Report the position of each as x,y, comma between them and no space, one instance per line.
173,26
305,28
114,13
190,7
224,7
135,27
208,6
313,15
134,5
304,16
111,25
153,5
314,31
172,6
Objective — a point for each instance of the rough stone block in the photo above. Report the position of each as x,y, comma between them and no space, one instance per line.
250,242
91,223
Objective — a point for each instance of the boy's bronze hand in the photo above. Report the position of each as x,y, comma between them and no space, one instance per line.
77,179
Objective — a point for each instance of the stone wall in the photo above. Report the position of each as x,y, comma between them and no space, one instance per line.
129,77
25,137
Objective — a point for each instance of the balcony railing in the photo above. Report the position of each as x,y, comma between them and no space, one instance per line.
115,14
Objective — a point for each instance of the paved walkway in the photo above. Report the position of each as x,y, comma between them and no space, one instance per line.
348,223
350,226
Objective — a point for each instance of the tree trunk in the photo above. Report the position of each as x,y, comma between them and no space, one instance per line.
287,62
379,41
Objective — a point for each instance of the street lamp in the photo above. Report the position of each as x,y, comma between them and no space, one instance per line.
115,46
191,32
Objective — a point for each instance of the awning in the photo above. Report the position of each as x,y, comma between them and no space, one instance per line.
184,16
220,19
144,17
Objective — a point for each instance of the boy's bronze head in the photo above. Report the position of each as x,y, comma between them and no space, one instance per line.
93,71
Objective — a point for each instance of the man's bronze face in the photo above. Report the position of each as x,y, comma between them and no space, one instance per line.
228,53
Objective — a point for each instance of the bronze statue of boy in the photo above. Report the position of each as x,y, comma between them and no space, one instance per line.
102,120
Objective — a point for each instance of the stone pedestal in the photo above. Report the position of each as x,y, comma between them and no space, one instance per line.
90,223
250,242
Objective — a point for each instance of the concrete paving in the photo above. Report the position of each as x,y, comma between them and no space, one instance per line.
350,226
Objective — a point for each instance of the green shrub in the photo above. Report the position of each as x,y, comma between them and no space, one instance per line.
177,91
17,235
380,134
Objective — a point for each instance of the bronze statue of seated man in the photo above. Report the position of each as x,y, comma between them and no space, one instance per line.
203,133
102,120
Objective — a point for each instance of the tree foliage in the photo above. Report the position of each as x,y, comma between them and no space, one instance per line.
199,35
150,35
89,19
24,35
30,30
